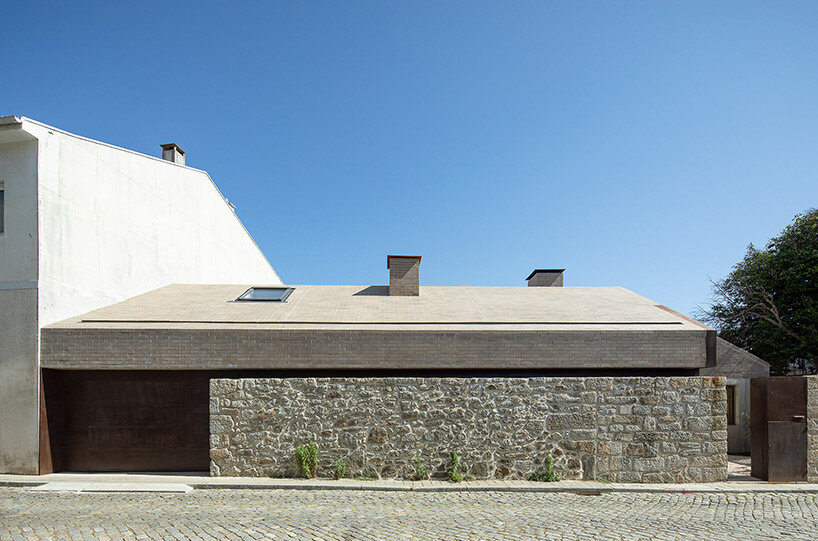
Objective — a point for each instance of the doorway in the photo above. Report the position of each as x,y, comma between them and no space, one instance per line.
115,421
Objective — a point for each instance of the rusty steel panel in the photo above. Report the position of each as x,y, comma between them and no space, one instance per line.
778,428
787,451
786,398
759,462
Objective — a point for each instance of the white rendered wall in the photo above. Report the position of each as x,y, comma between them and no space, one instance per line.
19,396
88,225
114,224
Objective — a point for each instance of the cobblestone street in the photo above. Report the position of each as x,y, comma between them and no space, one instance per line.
255,514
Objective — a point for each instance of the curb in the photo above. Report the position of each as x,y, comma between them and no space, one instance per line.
20,484
592,488
580,491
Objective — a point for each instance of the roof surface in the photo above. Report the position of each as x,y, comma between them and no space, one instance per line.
734,362
529,308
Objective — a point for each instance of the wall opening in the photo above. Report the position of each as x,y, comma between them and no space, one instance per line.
732,404
129,420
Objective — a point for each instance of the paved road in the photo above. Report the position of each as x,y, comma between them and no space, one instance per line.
254,514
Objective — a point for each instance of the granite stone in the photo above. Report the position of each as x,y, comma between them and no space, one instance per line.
500,427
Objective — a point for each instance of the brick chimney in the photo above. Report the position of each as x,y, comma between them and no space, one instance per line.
404,275
545,278
172,153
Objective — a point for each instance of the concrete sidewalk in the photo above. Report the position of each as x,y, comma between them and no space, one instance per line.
139,482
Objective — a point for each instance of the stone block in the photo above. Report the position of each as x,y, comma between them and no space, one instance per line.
563,421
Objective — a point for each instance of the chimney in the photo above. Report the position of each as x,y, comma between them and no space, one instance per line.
545,278
404,273
172,153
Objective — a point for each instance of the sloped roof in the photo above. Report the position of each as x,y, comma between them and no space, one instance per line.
734,362
362,327
529,308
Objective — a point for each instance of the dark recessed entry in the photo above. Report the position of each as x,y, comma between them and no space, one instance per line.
125,421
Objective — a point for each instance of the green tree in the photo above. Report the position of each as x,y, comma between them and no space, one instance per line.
768,304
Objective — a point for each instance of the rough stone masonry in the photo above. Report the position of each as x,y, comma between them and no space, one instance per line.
619,429
812,429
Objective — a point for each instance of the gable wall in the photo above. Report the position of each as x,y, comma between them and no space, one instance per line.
115,224
88,225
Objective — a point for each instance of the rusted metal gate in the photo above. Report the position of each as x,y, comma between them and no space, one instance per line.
778,428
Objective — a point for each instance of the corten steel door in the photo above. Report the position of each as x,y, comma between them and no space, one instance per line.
778,428
127,420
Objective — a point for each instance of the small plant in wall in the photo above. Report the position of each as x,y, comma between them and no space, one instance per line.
549,475
340,470
420,472
307,458
453,473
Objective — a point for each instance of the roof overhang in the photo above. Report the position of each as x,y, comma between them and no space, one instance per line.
12,130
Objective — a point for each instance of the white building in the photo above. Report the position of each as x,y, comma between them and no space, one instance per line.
84,224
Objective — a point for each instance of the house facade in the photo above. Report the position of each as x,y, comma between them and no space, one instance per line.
233,377
138,319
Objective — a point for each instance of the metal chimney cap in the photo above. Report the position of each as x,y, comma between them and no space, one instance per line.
173,146
535,271
389,258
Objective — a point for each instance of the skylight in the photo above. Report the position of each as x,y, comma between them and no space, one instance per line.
273,294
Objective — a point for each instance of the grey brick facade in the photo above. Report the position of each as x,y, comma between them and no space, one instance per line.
223,348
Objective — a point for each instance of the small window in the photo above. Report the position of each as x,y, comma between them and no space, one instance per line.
732,399
2,209
275,294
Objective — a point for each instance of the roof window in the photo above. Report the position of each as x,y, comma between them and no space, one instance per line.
273,294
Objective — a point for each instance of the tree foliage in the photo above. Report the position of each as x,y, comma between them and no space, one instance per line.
768,304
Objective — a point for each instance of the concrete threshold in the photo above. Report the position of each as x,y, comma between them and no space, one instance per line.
110,487
145,482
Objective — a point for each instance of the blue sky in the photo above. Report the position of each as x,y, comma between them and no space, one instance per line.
641,144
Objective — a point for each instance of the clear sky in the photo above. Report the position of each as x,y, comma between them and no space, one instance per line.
641,144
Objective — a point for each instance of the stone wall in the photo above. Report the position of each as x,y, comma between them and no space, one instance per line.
624,429
812,429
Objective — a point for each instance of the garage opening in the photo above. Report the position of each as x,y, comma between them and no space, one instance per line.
115,421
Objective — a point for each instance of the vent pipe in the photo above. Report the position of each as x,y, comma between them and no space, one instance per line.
545,278
173,153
